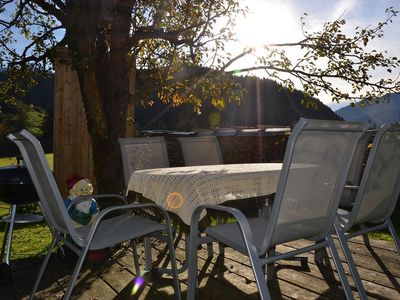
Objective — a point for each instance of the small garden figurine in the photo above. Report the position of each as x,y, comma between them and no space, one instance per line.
84,212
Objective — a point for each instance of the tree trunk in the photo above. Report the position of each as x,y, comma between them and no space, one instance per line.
103,66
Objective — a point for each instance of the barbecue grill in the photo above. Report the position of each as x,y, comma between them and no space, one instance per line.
16,188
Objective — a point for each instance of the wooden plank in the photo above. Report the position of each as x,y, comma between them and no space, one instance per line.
239,278
365,260
72,146
230,278
376,282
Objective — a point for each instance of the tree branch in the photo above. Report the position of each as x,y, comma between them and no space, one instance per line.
50,9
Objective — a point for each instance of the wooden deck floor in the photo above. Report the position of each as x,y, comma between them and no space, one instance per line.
220,278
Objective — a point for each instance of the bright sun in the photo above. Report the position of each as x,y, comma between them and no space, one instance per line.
266,22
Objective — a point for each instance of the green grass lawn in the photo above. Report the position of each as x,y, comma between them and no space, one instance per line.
28,239
6,161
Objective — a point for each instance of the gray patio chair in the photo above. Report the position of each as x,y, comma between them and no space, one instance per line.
316,162
356,170
140,153
201,150
106,231
376,198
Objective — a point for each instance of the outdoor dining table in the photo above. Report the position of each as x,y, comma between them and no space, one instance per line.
181,189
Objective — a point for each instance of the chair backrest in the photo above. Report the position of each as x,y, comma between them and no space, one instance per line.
315,167
141,153
201,150
379,188
51,201
356,169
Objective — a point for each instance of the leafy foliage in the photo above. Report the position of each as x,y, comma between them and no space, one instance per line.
17,116
167,37
329,56
14,113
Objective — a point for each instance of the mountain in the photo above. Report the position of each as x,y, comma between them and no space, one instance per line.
377,114
42,94
265,103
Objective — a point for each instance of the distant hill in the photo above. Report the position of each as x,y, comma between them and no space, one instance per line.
42,95
265,103
377,114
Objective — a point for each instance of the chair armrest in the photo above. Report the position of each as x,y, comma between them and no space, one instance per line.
108,210
84,198
237,214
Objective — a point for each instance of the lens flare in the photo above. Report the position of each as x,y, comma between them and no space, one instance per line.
138,282
175,200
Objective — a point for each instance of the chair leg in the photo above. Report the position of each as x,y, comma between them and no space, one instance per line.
351,263
3,245
221,249
75,274
339,268
42,269
319,255
221,246
395,236
172,257
192,263
271,272
13,210
259,274
147,254
365,236
210,252
135,257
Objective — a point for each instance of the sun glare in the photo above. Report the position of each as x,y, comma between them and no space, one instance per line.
266,22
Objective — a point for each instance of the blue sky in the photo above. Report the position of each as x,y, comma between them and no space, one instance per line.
271,21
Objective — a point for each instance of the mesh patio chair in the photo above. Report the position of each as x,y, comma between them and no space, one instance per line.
105,232
201,150
140,153
356,170
316,162
204,150
376,198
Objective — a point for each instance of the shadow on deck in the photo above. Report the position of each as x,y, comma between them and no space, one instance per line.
228,277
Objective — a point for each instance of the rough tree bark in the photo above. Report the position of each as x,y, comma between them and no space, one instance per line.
102,62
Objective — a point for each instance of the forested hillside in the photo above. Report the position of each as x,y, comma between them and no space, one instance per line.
265,103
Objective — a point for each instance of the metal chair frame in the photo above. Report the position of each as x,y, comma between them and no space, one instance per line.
256,255
368,225
126,226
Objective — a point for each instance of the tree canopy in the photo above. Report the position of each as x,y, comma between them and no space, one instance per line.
328,55
175,50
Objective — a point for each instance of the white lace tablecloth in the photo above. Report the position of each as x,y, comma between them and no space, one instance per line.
182,189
